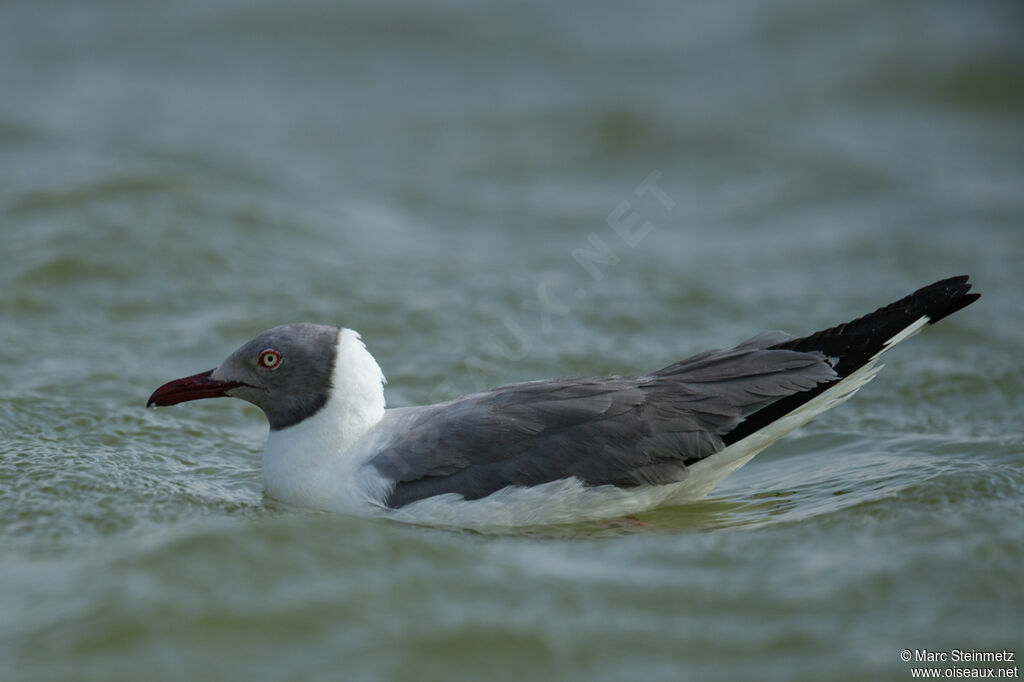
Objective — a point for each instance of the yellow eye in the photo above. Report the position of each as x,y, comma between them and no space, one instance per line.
270,359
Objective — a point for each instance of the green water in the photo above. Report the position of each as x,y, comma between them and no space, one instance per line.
176,177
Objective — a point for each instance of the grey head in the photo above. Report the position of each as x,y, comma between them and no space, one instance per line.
285,371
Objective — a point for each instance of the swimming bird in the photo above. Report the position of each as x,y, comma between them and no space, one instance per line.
541,452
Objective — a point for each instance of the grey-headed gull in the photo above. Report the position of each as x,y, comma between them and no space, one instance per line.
541,452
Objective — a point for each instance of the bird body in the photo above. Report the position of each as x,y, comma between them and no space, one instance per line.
542,452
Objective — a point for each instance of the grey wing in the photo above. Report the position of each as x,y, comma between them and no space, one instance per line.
623,431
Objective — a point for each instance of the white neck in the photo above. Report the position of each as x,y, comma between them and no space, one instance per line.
307,464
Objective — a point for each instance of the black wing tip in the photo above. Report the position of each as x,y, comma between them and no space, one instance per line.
954,291
856,341
937,300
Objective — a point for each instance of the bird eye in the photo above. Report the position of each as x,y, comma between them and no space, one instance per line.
270,359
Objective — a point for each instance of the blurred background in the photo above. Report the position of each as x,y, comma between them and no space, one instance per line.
494,192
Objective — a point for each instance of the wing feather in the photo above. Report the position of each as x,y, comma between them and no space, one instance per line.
623,431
